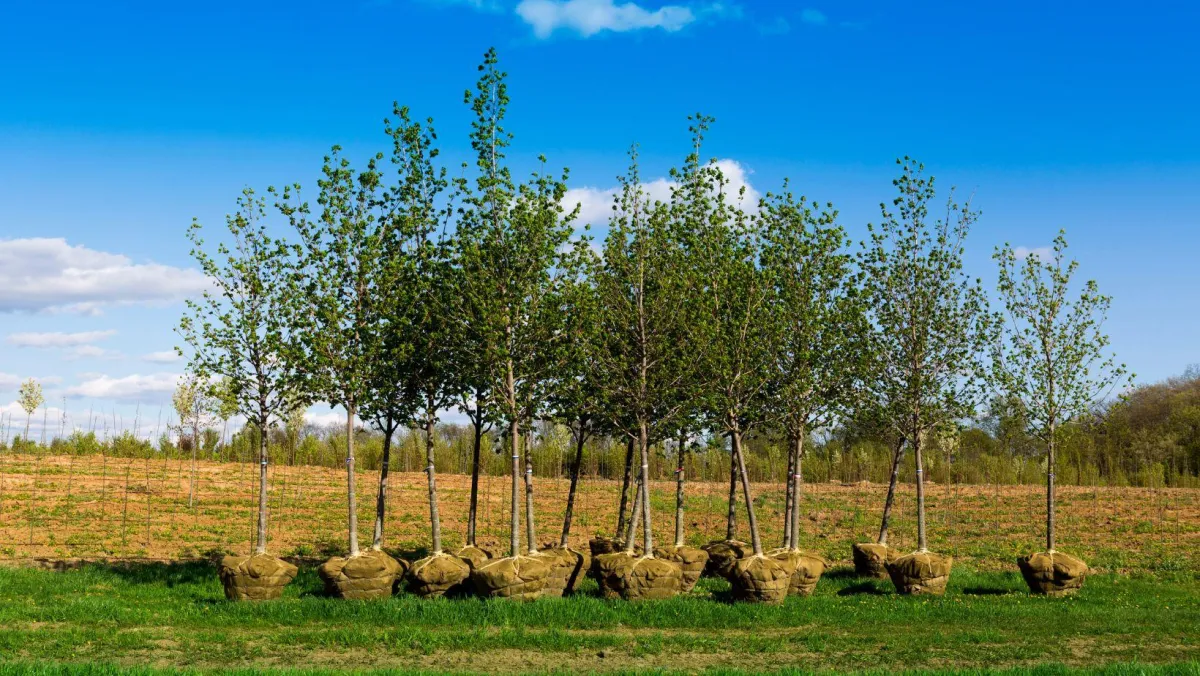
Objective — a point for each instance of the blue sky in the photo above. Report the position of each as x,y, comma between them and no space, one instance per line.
120,122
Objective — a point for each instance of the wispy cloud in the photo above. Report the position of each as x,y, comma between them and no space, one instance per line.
57,338
589,17
814,17
1040,253
152,388
49,275
164,357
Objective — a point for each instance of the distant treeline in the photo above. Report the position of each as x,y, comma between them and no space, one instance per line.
1149,438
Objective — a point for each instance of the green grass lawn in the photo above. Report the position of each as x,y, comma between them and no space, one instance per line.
98,619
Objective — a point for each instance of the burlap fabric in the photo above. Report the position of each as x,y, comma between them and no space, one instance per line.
1053,574
258,577
871,559
513,577
434,576
921,573
690,559
809,569
370,575
722,554
474,556
611,572
761,579
650,578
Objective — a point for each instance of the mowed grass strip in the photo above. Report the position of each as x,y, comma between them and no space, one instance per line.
174,615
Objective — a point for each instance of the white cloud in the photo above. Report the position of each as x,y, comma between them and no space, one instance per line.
589,17
57,339
15,418
1041,253
49,275
9,381
595,204
164,357
136,388
814,17
91,352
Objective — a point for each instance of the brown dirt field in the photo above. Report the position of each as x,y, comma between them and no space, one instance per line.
66,507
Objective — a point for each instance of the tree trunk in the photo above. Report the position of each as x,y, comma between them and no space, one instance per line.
474,508
921,542
261,542
621,520
635,518
530,529
570,511
192,483
789,496
891,494
648,534
514,436
1050,492
381,500
434,522
682,453
352,521
750,517
797,483
731,515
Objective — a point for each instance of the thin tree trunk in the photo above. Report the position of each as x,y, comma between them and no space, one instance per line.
621,520
635,518
1050,493
648,533
891,494
750,517
381,499
570,511
731,515
474,508
430,472
352,521
530,530
192,486
682,453
789,496
921,542
261,543
797,483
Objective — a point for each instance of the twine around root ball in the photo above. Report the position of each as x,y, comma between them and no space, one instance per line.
369,575
1053,573
258,577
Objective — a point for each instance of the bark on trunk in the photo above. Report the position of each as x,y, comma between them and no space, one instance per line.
1050,493
648,534
381,499
474,508
192,483
750,517
621,511
682,453
434,521
632,526
514,437
570,512
797,481
352,524
922,545
789,499
530,530
731,515
891,494
261,541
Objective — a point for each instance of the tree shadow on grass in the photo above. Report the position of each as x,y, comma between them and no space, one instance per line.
841,573
986,591
169,574
867,587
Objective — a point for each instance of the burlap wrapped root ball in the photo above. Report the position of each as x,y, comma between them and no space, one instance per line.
258,577
1052,573
809,569
723,554
575,563
474,556
370,575
560,563
691,560
650,578
514,577
611,572
604,545
761,579
434,576
921,573
871,559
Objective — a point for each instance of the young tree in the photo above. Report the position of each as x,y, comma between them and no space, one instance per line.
822,353
1052,362
193,404
340,254
931,327
237,332
30,397
646,381
514,256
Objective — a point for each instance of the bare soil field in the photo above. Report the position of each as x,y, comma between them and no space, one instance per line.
93,507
